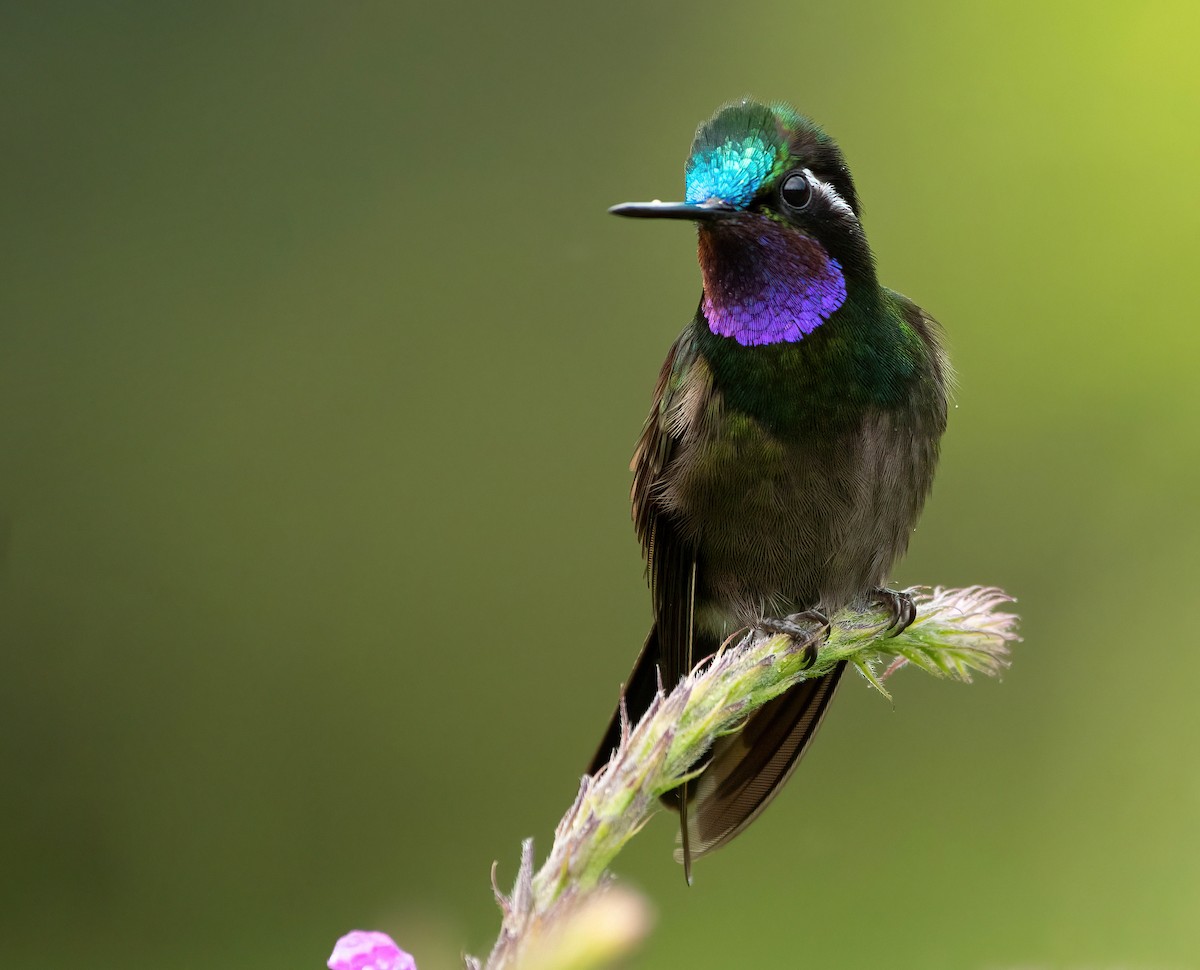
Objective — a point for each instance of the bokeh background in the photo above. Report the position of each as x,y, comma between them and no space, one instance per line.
320,368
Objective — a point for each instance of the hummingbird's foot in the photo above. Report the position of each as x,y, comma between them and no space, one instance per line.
900,608
799,628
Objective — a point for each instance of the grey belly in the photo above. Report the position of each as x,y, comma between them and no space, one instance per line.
783,527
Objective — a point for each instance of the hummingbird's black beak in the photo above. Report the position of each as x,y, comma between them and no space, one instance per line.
697,212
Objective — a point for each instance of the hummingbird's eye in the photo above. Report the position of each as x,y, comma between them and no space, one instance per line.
795,191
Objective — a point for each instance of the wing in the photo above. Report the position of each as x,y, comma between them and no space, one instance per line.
679,397
931,338
680,402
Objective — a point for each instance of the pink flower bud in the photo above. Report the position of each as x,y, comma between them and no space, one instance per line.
369,950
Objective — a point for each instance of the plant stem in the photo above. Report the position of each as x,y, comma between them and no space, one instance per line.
561,916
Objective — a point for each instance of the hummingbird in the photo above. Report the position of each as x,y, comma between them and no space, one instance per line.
790,445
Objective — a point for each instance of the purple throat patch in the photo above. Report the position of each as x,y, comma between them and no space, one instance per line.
767,284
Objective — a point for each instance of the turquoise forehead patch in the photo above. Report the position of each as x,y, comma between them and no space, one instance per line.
732,172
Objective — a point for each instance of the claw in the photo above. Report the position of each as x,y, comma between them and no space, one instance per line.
902,611
798,627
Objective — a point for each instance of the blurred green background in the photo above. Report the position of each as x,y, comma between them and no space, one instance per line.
320,369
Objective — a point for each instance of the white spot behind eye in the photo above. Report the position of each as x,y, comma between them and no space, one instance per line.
831,196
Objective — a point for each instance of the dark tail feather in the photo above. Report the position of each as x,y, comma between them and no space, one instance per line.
748,769
638,694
